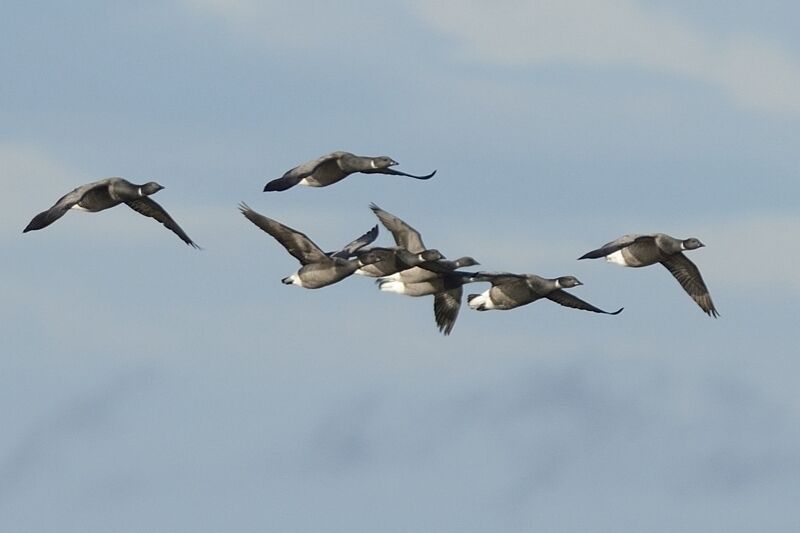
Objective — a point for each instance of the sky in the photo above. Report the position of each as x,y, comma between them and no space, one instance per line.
148,386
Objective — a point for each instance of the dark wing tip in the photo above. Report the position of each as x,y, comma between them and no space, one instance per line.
618,311
279,184
594,254
426,176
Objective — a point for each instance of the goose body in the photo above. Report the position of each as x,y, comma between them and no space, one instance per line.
638,250
318,268
105,194
509,291
334,167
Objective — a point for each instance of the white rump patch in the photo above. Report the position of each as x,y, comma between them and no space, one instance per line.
482,300
389,285
617,258
294,279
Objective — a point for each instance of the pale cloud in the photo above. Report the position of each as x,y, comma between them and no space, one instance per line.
752,71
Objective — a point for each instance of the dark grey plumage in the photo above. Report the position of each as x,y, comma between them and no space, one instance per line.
104,194
351,249
407,237
637,250
509,291
446,289
319,269
334,167
429,277
397,259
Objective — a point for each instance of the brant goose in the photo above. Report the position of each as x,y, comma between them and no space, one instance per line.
446,288
336,166
106,193
642,250
407,237
397,259
319,269
513,290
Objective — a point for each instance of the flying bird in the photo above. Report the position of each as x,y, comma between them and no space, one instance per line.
336,166
407,237
642,250
318,268
509,291
446,288
436,277
106,193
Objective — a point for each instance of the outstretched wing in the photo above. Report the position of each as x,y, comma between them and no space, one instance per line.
688,275
150,208
446,305
566,299
296,243
404,235
613,246
394,172
350,250
495,278
64,204
294,176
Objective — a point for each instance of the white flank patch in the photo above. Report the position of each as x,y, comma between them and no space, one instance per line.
76,207
389,285
305,182
617,258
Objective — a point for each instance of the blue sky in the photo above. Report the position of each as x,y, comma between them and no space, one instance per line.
149,386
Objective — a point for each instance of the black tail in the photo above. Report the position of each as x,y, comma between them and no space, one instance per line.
42,220
594,254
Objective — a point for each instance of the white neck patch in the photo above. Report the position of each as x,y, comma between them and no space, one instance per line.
558,284
372,163
140,191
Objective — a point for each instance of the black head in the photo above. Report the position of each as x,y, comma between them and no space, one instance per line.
691,244
465,262
383,162
369,258
431,255
565,282
151,187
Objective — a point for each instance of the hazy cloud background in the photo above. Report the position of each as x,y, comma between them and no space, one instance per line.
150,386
